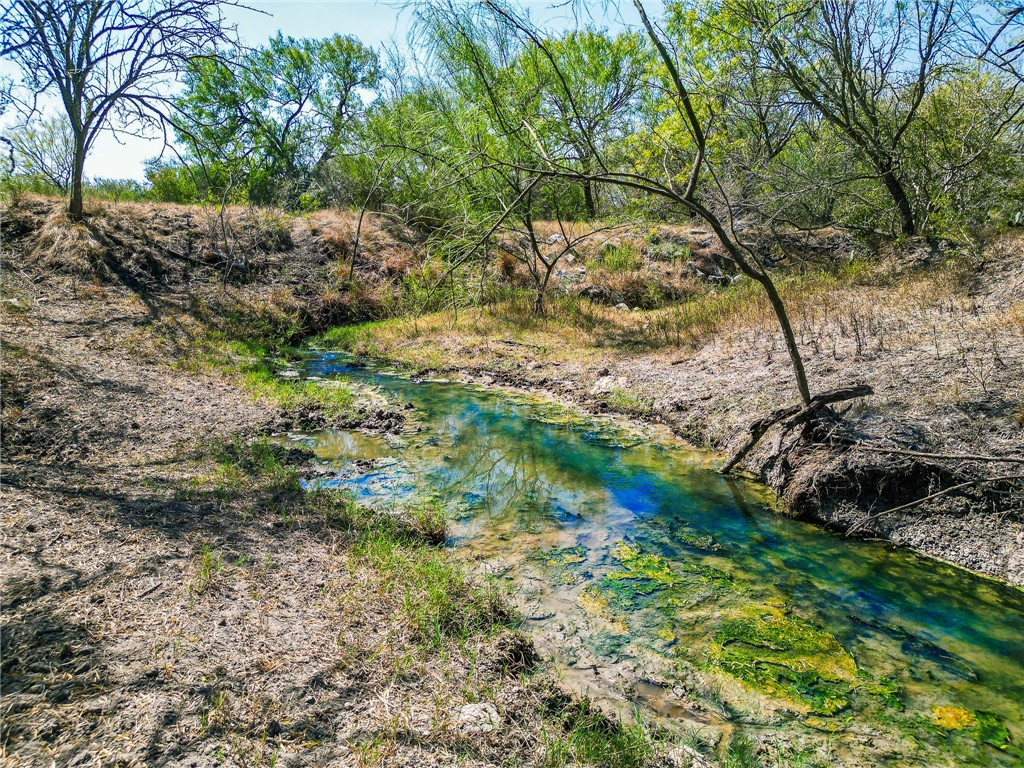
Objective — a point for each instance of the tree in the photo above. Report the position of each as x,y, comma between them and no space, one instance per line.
540,155
603,80
109,62
1002,38
280,114
864,66
45,150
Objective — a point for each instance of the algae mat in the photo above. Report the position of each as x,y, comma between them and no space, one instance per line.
650,579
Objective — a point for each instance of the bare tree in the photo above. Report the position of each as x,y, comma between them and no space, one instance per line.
45,149
864,66
1003,39
111,63
521,241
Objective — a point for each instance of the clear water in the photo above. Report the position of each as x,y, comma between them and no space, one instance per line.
651,579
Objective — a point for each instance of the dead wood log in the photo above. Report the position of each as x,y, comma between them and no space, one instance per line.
797,415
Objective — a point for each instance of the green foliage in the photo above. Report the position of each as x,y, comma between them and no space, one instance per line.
589,737
116,190
15,186
266,127
42,151
171,183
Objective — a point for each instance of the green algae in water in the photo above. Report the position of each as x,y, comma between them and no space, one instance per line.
887,690
788,657
644,574
984,727
561,563
562,556
674,550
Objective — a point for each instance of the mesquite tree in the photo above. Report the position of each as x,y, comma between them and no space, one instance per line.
110,63
865,67
279,115
540,154
44,150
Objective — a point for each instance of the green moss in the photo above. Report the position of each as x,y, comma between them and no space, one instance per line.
786,657
696,540
640,565
562,563
561,557
644,575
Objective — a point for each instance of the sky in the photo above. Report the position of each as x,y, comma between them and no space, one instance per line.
375,23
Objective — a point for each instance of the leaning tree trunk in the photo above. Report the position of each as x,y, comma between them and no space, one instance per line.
907,224
779,307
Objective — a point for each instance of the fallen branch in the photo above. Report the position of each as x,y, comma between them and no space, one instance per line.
797,415
949,456
960,486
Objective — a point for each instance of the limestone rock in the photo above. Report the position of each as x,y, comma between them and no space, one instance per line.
481,717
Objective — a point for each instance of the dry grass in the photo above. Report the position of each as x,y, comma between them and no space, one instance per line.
385,246
65,247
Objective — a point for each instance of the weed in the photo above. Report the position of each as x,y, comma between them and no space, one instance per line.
209,567
588,737
626,402
741,752
624,257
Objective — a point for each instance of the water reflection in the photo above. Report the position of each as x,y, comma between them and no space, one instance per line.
632,553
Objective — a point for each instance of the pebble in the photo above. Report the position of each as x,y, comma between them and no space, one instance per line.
481,717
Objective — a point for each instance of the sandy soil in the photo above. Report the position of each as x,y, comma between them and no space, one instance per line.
152,616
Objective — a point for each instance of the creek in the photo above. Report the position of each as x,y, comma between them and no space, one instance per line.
653,582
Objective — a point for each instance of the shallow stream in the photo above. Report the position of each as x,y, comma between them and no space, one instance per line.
652,581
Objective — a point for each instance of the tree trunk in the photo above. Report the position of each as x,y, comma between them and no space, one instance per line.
588,199
907,224
75,208
787,331
589,192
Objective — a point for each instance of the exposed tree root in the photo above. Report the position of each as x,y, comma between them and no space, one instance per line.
797,416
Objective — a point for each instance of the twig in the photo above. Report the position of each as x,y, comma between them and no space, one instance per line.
951,456
943,492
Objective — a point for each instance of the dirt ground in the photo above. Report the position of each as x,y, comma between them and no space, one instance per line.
161,607
161,610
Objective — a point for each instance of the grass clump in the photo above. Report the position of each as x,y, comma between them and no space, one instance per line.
626,402
253,471
624,257
210,564
589,737
434,597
